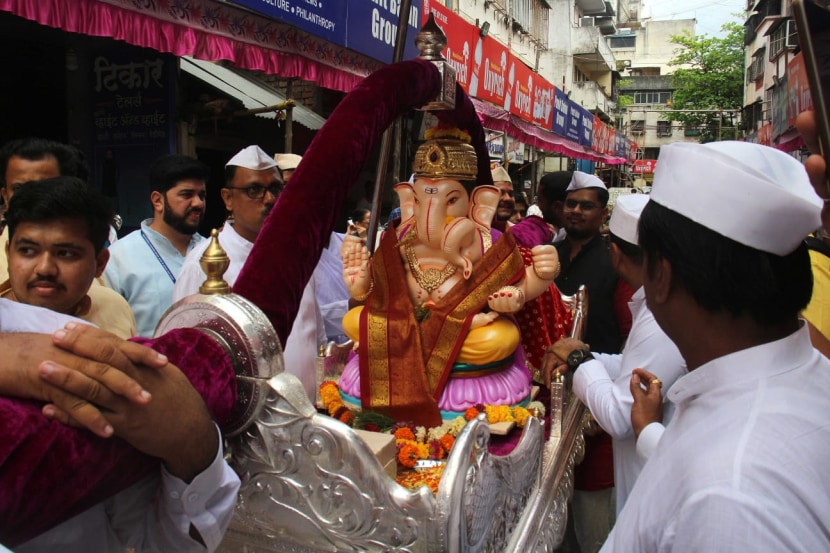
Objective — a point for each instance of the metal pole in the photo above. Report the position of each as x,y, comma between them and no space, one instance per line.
388,135
289,118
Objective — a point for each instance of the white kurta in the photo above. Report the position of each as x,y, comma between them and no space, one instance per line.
330,288
743,464
191,275
308,331
154,514
603,385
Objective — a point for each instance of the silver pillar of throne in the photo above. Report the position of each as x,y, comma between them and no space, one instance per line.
311,484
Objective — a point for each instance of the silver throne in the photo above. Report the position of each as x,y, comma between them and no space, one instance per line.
311,484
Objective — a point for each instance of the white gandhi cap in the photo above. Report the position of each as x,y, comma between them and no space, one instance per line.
626,216
582,180
253,158
756,195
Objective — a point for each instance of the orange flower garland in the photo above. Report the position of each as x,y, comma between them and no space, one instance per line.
417,443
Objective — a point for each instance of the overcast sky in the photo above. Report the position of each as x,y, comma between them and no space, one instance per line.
710,14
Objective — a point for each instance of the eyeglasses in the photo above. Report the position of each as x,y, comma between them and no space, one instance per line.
584,205
257,191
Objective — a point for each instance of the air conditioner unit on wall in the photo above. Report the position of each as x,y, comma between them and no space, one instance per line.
791,40
587,22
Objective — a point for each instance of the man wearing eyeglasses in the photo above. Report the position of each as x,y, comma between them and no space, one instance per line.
586,259
252,183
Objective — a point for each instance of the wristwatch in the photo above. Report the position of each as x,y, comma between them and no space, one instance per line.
577,357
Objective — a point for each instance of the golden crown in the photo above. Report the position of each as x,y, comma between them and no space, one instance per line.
447,154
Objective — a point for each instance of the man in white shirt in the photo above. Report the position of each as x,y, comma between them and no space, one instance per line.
602,380
252,184
144,265
184,506
742,464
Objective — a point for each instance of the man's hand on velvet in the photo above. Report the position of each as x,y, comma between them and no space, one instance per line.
173,423
28,371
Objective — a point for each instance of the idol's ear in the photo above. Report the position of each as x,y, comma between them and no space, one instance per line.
483,203
406,195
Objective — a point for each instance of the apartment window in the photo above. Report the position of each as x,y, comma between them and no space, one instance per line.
532,17
645,72
663,128
766,110
650,96
579,76
784,37
622,41
755,70
638,127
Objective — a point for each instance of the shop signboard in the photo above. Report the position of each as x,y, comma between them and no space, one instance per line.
488,80
133,117
495,144
561,112
462,38
644,166
515,151
495,141
373,26
586,127
574,122
323,18
765,135
519,97
599,142
366,26
798,89
543,94
619,147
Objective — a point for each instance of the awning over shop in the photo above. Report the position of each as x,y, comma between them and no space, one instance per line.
205,29
252,94
496,118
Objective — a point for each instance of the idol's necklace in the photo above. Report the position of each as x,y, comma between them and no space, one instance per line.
430,279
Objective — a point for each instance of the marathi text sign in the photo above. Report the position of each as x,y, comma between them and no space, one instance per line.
543,93
133,115
644,166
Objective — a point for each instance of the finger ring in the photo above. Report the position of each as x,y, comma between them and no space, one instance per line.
657,381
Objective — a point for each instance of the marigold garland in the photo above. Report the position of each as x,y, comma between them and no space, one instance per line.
416,443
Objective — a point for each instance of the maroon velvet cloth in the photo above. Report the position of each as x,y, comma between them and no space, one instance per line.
529,232
50,472
289,245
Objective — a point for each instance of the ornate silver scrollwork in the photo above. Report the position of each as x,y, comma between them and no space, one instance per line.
311,484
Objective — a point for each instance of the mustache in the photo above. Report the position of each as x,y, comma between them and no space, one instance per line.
37,283
190,210
266,210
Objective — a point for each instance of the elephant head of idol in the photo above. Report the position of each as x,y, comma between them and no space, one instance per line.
443,203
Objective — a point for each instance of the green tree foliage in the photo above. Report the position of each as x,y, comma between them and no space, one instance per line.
709,76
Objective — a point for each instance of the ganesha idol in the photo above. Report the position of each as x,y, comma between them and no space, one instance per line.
435,335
